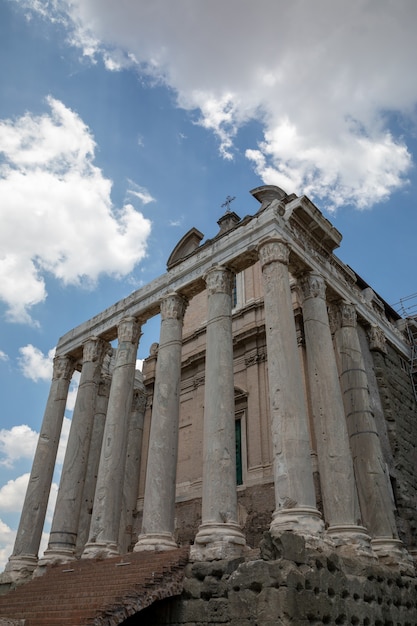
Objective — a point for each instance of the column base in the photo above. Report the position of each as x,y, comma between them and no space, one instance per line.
53,557
216,541
304,521
100,550
155,541
392,552
350,539
19,569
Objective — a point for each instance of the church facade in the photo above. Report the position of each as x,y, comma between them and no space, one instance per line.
278,399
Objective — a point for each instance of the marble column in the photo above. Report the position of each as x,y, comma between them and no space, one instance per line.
372,481
159,498
105,522
64,528
25,553
295,504
102,401
132,468
334,457
219,535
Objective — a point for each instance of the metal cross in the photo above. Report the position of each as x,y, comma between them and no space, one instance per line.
227,202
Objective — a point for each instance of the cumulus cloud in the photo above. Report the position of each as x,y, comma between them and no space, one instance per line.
34,364
49,185
12,494
3,356
17,443
321,77
7,537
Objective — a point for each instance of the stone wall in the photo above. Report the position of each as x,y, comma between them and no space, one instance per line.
399,407
289,585
255,504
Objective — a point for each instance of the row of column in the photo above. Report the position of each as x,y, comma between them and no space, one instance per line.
350,461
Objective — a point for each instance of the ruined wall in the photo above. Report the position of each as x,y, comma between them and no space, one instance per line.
289,585
399,407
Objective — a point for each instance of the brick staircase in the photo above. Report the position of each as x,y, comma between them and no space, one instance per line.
95,592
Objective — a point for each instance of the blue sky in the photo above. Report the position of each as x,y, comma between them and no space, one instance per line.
124,124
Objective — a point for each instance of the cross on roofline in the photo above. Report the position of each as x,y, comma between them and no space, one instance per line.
227,202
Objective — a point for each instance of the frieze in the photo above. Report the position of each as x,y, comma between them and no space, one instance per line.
219,280
173,307
63,367
129,330
273,250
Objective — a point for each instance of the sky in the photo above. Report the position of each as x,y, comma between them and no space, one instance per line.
125,123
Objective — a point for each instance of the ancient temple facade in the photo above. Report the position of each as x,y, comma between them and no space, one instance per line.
278,398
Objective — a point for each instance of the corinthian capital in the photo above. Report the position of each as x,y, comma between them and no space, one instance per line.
219,280
312,285
129,330
273,250
173,306
63,367
94,349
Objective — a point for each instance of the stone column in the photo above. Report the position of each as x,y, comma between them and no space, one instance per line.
64,528
159,499
372,481
102,401
25,554
295,505
132,468
105,522
219,535
334,457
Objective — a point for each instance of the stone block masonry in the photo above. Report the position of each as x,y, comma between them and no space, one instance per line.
288,584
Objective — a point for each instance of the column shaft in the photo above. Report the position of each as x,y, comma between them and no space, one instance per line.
29,534
370,470
334,458
64,528
159,499
295,505
102,401
132,468
105,522
219,535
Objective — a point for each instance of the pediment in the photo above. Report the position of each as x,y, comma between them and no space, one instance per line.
185,246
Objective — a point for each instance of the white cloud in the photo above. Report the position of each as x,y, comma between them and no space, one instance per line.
7,537
321,77
140,192
3,356
73,390
17,443
12,494
49,185
34,364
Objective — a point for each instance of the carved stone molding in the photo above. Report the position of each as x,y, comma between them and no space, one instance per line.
219,280
173,307
129,330
377,339
341,314
312,285
63,367
273,250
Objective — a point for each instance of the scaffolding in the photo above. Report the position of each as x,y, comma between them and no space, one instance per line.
407,307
